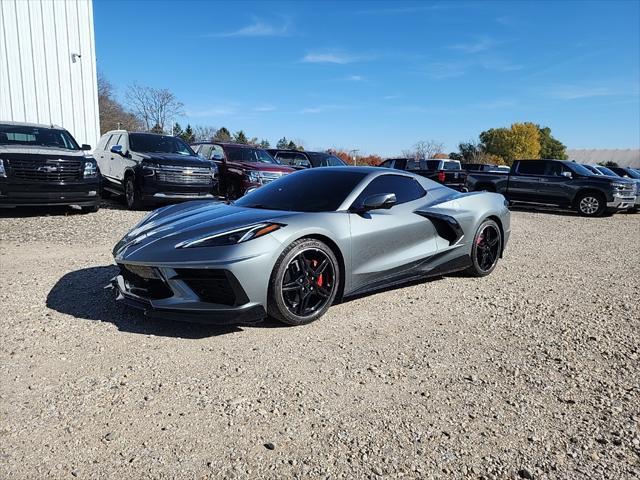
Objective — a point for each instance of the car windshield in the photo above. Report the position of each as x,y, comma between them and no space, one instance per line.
325,160
312,190
36,136
577,168
606,171
247,154
630,172
151,143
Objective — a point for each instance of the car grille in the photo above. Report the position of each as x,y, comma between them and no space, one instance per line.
268,177
213,285
626,191
145,282
50,170
184,176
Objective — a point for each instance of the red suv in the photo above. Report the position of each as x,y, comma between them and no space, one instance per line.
242,168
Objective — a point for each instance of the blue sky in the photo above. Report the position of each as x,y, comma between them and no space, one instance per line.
379,76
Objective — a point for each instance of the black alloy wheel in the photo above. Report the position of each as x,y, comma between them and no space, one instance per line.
131,194
304,283
486,249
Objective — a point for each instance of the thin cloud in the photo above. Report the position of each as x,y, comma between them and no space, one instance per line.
494,105
258,28
264,108
339,58
322,109
355,78
391,97
215,111
481,44
575,92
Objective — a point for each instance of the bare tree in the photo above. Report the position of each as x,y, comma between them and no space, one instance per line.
204,133
424,149
112,114
155,107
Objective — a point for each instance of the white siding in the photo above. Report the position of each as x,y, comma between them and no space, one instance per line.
39,81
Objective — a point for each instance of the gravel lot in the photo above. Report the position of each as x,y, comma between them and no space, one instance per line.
532,372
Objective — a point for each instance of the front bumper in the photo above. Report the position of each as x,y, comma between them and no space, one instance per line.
183,294
157,192
18,194
623,202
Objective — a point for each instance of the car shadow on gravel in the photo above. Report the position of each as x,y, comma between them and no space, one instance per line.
81,294
25,212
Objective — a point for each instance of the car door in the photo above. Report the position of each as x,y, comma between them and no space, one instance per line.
554,185
116,161
524,183
101,155
110,158
390,243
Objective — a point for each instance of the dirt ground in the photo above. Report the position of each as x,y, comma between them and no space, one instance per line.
532,372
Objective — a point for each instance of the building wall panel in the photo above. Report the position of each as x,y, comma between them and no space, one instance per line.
42,78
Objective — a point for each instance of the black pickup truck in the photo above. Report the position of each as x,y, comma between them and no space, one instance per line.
447,172
44,165
559,183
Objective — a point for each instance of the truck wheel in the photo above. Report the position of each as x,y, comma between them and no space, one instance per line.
590,204
91,209
232,191
304,282
131,194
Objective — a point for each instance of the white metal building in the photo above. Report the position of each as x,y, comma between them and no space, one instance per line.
624,158
48,65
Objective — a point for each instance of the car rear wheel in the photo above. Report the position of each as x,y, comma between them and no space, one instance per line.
590,204
131,194
485,252
304,282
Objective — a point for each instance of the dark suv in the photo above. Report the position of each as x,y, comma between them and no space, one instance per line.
242,168
300,160
152,168
44,165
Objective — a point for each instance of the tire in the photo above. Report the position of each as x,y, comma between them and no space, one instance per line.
590,204
131,194
232,191
486,249
304,282
91,209
633,210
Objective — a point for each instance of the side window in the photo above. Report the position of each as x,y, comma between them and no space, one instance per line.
553,169
114,140
204,150
285,158
216,153
299,160
534,167
387,164
406,189
102,144
451,166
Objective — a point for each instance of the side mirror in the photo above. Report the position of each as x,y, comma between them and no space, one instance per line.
381,201
567,174
116,149
85,147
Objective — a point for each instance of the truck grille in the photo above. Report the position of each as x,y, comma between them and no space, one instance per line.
268,177
50,170
184,176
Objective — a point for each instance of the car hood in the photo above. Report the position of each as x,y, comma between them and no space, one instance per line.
171,159
168,226
49,152
265,167
608,180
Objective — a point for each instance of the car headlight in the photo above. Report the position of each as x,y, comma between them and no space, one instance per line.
254,176
232,237
3,172
149,170
90,169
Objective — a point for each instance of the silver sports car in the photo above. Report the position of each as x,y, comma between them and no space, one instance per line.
295,246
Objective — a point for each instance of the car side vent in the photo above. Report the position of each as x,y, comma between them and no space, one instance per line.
446,226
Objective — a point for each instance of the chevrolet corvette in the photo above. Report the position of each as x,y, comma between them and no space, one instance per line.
292,248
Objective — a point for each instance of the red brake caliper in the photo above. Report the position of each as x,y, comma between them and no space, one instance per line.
314,263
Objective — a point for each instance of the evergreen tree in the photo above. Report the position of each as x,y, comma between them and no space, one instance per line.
551,147
156,129
292,146
177,130
282,143
188,135
264,143
222,135
240,137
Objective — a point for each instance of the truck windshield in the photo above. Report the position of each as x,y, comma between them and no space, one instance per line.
36,136
577,168
247,154
151,143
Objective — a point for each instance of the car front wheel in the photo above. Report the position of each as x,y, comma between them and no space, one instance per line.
131,194
304,282
486,249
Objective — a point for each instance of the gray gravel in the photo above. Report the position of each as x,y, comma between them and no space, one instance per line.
532,372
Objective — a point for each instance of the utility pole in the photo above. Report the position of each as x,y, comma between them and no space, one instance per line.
354,155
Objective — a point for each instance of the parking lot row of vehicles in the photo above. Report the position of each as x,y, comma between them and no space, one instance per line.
44,165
